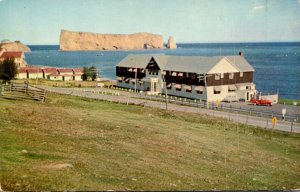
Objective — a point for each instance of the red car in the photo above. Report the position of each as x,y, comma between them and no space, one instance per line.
261,102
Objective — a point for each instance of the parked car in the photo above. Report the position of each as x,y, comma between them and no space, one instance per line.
261,102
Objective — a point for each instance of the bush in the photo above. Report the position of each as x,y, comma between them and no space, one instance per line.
8,69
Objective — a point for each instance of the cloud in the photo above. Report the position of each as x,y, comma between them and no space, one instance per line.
259,7
299,1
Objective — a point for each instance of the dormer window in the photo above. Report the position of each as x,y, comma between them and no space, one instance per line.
217,76
241,74
231,75
153,72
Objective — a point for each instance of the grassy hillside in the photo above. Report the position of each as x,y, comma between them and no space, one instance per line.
75,143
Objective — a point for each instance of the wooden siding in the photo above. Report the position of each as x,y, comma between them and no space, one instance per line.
123,72
247,78
191,79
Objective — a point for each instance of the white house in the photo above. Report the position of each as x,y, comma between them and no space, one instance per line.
215,78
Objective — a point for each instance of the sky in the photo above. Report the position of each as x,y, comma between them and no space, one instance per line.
39,22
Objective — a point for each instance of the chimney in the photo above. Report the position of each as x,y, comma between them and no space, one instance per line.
241,54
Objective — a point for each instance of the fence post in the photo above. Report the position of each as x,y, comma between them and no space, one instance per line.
247,119
44,97
1,90
292,127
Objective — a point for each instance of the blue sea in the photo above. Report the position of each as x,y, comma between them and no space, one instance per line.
277,65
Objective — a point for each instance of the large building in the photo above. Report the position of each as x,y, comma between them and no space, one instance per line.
215,78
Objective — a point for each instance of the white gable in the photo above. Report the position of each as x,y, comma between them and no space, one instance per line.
223,66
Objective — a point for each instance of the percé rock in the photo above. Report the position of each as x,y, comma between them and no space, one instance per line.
14,46
171,43
72,41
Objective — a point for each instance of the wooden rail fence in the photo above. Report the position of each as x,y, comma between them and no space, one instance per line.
22,91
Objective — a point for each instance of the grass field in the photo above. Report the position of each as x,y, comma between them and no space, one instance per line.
289,101
63,83
81,144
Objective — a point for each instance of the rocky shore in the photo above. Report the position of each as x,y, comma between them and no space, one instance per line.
14,46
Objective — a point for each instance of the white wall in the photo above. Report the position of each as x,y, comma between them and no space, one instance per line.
130,85
183,93
35,75
21,76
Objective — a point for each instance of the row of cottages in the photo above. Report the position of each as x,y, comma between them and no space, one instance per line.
19,57
215,78
50,73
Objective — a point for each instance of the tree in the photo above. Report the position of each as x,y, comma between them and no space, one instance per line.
8,69
93,73
85,73
89,73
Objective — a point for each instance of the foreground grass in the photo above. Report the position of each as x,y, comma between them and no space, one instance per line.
75,143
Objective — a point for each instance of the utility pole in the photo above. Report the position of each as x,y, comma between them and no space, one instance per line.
166,92
135,80
203,77
206,90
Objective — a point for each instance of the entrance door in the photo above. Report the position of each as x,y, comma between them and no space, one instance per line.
247,99
153,87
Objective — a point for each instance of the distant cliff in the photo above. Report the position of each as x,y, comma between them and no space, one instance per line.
72,41
14,46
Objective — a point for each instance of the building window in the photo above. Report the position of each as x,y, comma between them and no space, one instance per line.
217,76
231,75
153,72
241,74
120,81
193,75
178,87
217,92
199,92
169,86
222,75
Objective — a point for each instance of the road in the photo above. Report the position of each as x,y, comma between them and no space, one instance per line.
124,97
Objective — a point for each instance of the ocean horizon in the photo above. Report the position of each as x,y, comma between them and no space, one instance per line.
276,64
